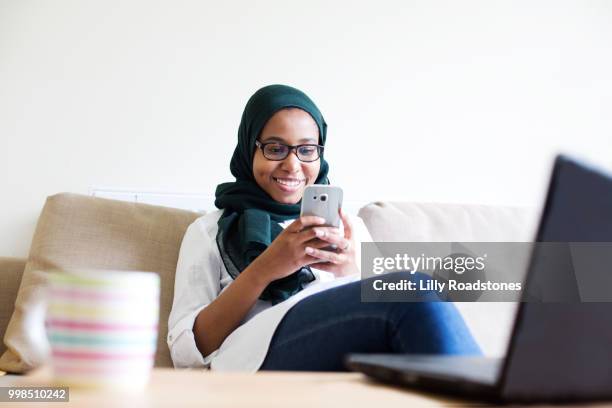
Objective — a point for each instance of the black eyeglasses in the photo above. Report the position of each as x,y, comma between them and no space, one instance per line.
279,151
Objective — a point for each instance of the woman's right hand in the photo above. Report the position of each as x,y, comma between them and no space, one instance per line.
287,253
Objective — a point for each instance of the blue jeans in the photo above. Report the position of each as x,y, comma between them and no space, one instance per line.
319,331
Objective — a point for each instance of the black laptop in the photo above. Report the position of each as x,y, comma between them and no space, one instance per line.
560,350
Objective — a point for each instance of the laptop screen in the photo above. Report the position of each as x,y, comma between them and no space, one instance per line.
560,348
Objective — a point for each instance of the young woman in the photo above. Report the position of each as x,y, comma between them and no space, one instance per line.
255,290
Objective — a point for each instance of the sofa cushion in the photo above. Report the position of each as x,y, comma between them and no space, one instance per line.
433,222
76,231
11,270
490,322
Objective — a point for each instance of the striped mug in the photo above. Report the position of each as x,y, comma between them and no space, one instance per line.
102,327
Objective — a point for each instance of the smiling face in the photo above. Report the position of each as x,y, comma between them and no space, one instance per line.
285,180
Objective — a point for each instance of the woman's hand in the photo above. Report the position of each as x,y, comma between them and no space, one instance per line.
341,262
287,253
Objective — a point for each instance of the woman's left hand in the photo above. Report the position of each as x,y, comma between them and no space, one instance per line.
343,260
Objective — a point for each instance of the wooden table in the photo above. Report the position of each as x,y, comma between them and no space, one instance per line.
187,388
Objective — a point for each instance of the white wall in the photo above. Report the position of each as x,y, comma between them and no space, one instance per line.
462,101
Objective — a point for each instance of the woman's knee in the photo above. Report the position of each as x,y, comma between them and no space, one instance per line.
439,328
424,322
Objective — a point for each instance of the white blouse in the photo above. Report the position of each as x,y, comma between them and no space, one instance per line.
201,276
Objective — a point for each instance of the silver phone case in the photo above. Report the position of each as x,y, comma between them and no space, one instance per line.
314,203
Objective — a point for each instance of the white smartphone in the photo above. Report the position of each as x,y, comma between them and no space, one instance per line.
323,201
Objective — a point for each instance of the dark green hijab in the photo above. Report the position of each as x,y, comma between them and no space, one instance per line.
250,220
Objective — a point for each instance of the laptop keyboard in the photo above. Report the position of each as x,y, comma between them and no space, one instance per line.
480,369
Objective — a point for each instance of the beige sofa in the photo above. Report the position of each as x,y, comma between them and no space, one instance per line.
75,231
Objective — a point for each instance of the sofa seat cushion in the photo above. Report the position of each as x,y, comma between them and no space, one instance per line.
76,231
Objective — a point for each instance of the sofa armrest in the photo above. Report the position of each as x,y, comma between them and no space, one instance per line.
11,270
